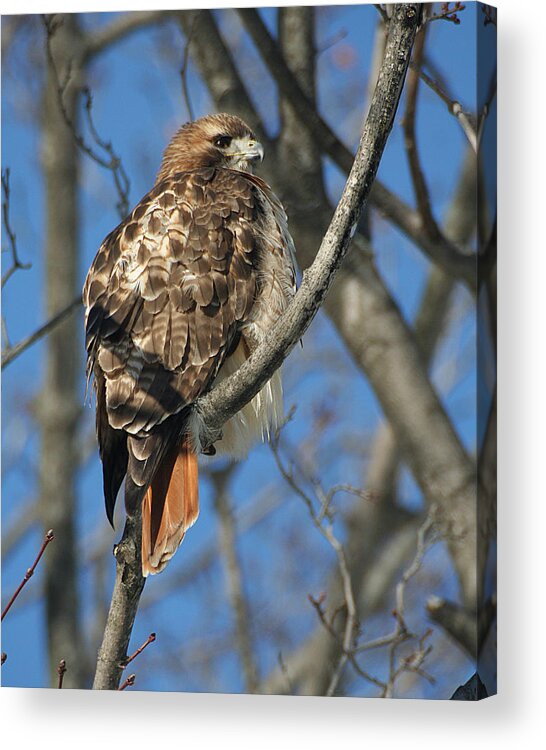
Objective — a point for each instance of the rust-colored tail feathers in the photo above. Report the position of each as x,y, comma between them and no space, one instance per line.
169,508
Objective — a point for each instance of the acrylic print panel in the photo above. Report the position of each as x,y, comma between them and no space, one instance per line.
351,551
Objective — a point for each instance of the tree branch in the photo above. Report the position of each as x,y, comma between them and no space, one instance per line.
218,69
420,186
49,537
15,261
323,522
234,580
112,163
128,587
453,106
441,251
466,627
96,42
50,325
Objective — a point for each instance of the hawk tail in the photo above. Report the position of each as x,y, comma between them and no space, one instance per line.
169,508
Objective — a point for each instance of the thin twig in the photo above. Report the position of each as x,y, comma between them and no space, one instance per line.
329,43
448,13
61,669
382,12
128,682
17,349
30,572
414,662
347,655
324,526
487,106
420,186
151,638
119,174
454,107
284,672
15,262
184,69
112,162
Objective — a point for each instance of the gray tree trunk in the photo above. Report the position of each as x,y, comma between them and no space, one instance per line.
59,403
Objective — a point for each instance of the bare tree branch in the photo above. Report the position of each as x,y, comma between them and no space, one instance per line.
184,70
239,604
460,623
323,522
16,264
98,41
112,162
443,252
447,13
382,12
418,178
128,587
140,649
129,682
49,537
61,670
453,106
217,67
17,349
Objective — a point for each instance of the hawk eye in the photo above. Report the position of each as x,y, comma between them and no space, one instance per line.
223,141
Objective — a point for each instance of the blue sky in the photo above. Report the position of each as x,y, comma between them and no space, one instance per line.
138,105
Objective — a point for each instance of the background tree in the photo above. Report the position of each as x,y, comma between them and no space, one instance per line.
398,342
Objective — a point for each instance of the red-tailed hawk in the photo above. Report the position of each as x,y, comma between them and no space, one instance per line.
178,296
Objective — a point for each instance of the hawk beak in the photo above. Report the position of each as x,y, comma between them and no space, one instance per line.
255,151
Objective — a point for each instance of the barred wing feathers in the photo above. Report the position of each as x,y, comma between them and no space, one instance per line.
165,300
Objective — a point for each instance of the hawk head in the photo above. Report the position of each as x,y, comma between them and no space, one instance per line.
213,141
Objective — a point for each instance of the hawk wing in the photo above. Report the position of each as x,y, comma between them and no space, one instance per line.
165,299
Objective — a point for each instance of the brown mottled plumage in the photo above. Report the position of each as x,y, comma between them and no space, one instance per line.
179,294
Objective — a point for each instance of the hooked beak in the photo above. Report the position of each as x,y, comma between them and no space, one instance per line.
246,150
255,151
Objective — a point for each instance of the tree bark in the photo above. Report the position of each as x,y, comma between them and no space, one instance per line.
380,534
123,606
59,403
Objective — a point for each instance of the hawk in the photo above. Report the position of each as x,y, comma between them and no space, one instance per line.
177,297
